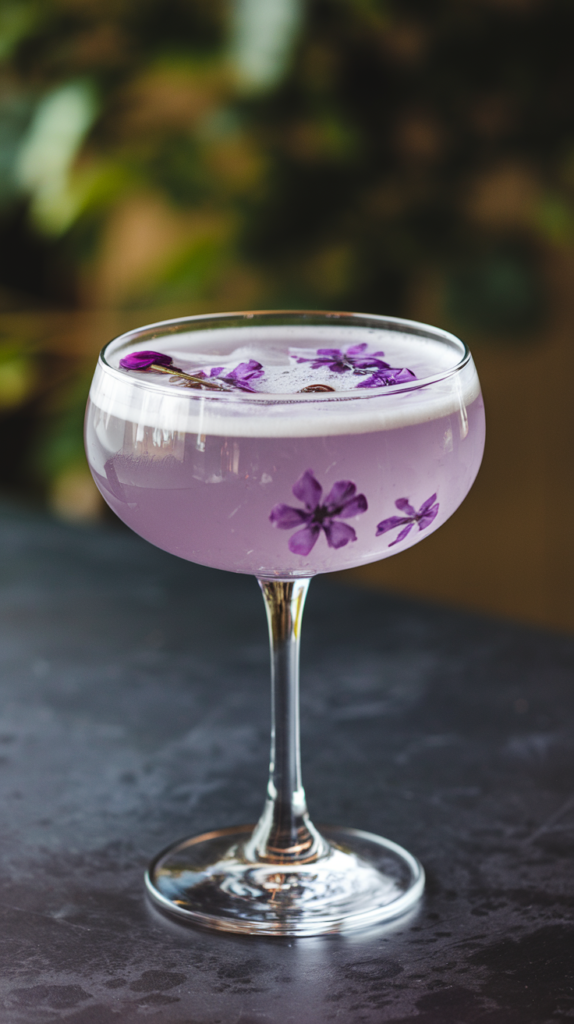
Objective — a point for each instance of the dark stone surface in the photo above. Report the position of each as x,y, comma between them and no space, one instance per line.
134,710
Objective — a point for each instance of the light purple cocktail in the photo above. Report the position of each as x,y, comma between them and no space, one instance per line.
207,492
285,445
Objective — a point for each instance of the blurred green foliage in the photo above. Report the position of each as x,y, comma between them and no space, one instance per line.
200,154
331,148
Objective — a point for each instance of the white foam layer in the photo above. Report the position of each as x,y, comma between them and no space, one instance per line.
203,349
152,401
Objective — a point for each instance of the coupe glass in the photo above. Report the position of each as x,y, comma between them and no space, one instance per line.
285,484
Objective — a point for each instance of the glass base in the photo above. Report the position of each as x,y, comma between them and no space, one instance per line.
361,880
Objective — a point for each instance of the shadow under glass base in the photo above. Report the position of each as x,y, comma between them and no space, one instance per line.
361,880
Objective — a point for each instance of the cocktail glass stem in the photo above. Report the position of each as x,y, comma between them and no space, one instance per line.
284,833
282,877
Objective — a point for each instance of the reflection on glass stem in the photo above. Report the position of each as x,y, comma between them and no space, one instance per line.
284,833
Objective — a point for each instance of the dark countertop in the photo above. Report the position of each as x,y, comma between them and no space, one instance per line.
134,710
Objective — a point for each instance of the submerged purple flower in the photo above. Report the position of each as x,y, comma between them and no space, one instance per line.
424,517
354,358
386,376
143,360
341,503
240,377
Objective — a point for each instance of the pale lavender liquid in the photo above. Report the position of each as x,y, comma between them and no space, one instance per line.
209,500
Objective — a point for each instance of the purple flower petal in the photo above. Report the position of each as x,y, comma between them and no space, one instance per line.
355,358
342,502
331,358
404,505
338,534
404,533
402,376
285,518
386,376
353,507
244,373
427,504
315,363
240,376
427,519
390,523
302,542
339,494
371,362
308,489
358,355
247,371
142,360
362,360
423,518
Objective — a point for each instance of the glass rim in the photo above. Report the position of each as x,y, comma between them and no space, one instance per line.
165,327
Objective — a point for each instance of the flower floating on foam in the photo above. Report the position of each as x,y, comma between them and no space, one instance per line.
423,518
354,358
386,376
342,502
159,362
240,377
145,360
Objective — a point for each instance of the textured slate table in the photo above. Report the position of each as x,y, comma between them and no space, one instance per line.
134,710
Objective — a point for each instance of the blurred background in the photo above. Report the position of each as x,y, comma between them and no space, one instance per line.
409,157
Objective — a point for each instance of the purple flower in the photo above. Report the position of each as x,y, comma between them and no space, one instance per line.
387,376
341,503
354,358
244,373
424,517
143,360
240,377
